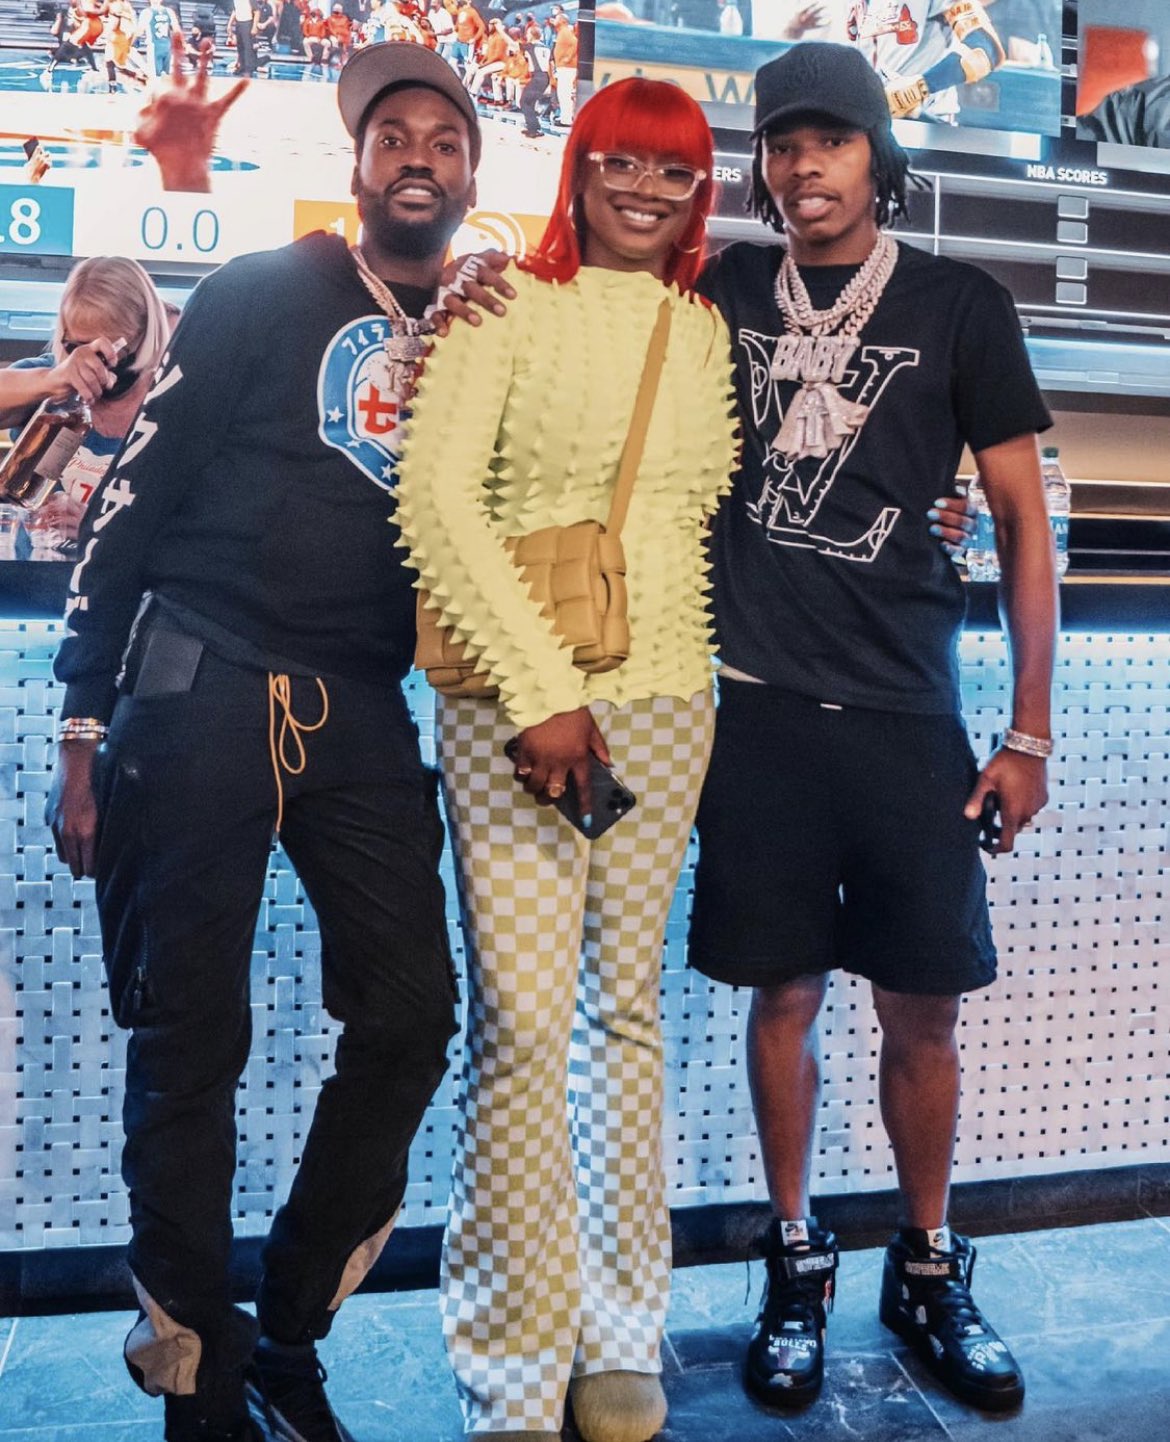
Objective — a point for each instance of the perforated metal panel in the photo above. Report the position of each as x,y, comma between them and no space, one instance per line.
1065,1059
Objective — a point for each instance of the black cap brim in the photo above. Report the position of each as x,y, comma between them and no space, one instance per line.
840,114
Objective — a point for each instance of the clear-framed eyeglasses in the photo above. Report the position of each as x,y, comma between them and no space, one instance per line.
674,181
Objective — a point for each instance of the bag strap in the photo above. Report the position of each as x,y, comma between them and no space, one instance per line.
639,421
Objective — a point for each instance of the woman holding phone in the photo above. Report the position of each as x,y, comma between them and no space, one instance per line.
107,299
556,1263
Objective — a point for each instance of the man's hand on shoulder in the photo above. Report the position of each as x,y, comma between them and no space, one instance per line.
471,281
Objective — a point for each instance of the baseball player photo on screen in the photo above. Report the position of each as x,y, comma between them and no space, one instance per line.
984,64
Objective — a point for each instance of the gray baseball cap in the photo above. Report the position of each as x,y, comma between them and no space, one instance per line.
816,78
375,68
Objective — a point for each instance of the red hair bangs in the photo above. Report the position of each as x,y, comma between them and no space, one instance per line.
644,116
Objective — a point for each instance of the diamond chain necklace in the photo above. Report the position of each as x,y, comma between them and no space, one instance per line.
377,287
816,351
856,303
406,345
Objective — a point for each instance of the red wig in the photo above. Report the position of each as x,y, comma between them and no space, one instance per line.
649,117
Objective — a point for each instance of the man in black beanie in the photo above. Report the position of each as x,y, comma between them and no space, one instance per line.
840,822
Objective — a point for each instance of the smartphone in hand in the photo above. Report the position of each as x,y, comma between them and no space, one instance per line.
611,799
989,828
37,159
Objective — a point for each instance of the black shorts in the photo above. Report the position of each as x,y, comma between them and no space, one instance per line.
836,838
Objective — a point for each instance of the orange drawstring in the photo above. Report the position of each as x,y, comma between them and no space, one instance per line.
280,694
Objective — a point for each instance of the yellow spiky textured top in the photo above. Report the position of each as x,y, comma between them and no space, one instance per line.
519,423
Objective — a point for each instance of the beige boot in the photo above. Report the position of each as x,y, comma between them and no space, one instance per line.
618,1406
517,1437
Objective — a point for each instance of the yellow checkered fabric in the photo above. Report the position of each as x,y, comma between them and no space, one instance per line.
556,1261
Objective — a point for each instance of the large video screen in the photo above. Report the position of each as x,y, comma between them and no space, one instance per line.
282,161
949,68
1123,86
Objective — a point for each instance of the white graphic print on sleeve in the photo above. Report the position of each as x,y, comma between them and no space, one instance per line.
793,493
118,494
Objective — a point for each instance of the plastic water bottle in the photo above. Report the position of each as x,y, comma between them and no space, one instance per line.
1044,56
982,558
1057,497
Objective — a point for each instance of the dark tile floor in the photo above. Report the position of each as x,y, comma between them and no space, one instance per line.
1087,1311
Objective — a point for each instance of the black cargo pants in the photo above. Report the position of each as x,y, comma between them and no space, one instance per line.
188,801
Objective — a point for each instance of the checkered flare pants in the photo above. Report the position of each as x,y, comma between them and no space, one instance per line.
556,1261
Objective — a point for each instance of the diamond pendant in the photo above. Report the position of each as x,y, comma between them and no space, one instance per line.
812,358
818,419
405,349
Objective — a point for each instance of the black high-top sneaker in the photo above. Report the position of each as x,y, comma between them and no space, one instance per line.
786,1355
288,1385
186,1421
926,1298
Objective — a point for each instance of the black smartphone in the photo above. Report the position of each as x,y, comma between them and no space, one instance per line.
611,798
989,828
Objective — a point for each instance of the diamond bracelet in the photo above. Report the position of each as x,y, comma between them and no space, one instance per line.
1027,745
82,728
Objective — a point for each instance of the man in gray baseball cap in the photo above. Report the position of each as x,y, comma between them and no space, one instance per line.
254,592
375,69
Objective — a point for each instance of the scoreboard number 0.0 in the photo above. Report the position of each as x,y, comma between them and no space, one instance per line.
159,231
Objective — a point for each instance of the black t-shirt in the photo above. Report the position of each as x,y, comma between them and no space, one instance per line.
1137,116
827,581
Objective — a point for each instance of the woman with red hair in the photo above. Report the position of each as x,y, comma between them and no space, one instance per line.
631,118
556,1265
